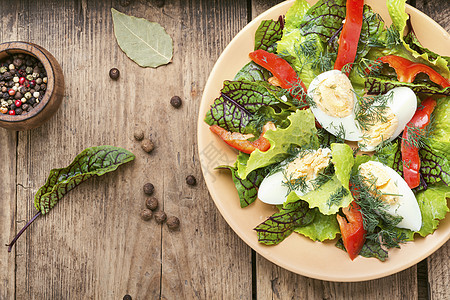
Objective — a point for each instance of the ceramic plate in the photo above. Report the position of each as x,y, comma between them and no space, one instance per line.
298,253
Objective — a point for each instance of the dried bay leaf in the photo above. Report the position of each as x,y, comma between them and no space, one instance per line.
144,42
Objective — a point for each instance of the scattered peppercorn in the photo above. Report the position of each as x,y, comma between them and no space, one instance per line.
151,203
127,297
160,217
173,223
190,180
138,134
149,188
147,145
146,214
114,73
175,101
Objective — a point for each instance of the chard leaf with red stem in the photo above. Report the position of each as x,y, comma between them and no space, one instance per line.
382,84
94,161
268,33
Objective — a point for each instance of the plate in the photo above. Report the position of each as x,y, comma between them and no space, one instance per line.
298,253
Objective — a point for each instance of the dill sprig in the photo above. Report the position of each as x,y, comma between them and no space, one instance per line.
323,177
336,197
379,224
294,184
340,132
371,109
418,137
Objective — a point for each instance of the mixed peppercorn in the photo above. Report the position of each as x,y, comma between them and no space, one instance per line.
23,82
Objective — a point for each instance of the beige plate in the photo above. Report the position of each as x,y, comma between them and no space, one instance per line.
297,253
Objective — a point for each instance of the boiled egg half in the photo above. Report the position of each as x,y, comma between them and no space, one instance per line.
275,188
394,192
335,104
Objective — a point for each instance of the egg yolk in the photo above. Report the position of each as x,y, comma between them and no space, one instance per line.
334,96
380,131
309,165
386,187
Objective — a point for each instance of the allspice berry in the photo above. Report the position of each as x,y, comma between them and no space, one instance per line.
114,73
190,180
146,214
173,223
175,101
147,145
149,188
151,203
160,217
138,134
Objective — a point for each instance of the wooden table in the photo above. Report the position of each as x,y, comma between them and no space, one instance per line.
93,245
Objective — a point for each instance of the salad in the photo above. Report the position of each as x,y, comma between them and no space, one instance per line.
342,123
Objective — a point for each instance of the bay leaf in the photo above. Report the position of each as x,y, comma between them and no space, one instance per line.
144,42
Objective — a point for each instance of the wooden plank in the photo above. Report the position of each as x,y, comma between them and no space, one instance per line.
93,244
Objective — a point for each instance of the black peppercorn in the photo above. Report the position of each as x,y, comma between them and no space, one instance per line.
173,223
151,203
175,101
149,188
160,217
114,73
138,134
190,180
147,145
146,214
127,297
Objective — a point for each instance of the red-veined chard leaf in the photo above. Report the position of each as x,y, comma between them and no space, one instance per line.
381,85
433,167
268,33
94,161
239,101
252,72
369,249
415,45
281,224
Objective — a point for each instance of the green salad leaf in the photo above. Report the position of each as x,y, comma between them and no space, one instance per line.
433,206
300,132
342,158
281,224
252,72
324,227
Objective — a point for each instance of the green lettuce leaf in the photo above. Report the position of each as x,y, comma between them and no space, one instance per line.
294,16
386,154
300,132
433,206
324,227
252,72
268,33
239,100
439,140
281,224
342,158
329,197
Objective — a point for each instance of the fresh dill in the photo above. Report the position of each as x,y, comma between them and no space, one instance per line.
337,196
340,132
371,109
323,177
418,137
294,184
298,92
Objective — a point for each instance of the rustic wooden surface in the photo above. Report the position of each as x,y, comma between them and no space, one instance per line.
93,245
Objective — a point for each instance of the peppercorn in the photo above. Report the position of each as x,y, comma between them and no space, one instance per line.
127,297
149,188
175,101
11,112
173,223
146,214
190,180
160,217
114,73
147,145
151,203
138,134
18,111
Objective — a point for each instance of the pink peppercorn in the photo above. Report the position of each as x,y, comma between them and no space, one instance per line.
21,80
18,103
12,112
11,92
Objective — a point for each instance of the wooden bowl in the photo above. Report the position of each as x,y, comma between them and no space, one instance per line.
53,94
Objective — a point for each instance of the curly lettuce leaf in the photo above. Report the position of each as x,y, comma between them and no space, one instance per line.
300,132
324,227
281,224
439,139
238,102
294,16
342,158
329,197
268,33
252,72
433,206
247,188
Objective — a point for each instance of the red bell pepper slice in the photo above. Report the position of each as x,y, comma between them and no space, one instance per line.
407,70
240,141
279,68
352,229
409,149
349,38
